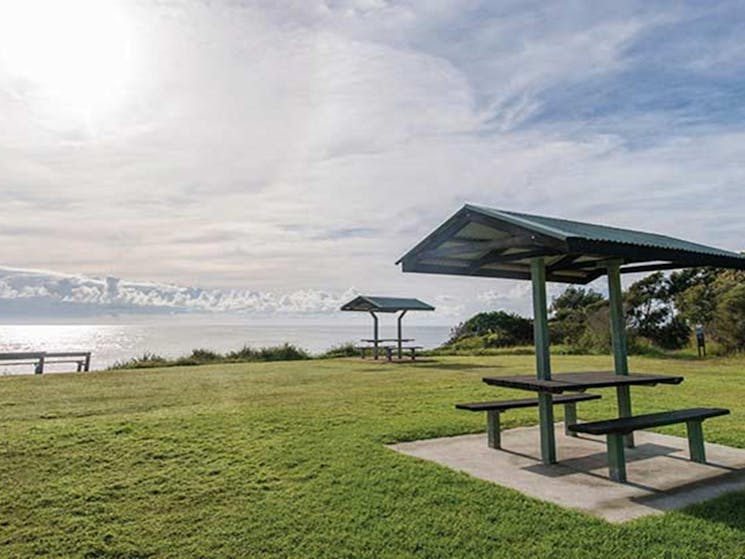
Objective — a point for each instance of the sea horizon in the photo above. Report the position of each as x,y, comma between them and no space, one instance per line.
117,340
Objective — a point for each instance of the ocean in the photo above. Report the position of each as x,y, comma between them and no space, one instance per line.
175,337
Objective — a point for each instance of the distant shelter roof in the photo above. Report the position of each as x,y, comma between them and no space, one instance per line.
367,303
488,242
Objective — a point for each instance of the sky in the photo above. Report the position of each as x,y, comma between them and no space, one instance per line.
293,150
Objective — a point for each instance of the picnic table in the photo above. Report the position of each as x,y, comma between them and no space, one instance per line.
385,345
582,381
619,432
579,382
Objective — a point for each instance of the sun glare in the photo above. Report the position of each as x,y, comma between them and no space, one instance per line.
75,55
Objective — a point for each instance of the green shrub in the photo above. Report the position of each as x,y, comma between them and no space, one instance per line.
342,350
146,360
284,352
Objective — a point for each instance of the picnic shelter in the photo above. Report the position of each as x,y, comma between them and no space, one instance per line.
374,304
486,242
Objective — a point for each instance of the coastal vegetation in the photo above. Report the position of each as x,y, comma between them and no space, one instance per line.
284,352
661,314
288,459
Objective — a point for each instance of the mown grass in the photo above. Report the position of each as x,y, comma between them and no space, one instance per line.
287,459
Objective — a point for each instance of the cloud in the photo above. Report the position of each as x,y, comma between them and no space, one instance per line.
110,294
301,147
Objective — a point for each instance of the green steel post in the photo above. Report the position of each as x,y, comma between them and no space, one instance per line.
375,334
616,458
696,441
400,335
618,335
543,359
570,418
492,429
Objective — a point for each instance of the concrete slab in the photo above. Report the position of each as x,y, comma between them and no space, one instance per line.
661,477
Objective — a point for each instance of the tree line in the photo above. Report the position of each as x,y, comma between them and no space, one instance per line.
661,312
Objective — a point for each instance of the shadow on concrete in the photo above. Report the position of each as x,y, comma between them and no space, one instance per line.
597,460
723,496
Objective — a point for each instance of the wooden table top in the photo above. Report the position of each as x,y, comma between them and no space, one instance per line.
579,382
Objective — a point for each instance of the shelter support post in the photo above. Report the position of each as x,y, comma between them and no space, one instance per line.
375,334
400,336
543,359
616,458
618,335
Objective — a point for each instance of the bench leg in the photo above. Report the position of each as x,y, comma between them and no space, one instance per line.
616,458
413,354
696,441
389,354
570,418
492,429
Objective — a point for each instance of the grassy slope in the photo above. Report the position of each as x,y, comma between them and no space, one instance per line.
287,460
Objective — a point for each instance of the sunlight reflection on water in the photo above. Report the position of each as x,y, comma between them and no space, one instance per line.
111,343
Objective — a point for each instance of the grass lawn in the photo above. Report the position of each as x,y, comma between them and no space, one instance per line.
287,460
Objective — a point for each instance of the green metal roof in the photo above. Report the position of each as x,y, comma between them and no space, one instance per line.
386,304
483,241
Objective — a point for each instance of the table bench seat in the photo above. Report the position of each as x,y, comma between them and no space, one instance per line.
615,429
389,349
494,409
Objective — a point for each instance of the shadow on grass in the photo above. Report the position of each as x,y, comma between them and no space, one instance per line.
728,509
456,366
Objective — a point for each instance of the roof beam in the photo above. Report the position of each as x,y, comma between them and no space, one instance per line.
657,267
519,241
600,263
415,267
496,257
562,262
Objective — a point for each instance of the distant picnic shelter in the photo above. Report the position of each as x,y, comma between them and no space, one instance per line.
374,304
487,242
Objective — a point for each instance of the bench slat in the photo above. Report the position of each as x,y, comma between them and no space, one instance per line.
626,425
525,403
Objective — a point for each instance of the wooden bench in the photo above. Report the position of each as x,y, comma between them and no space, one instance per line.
494,409
615,429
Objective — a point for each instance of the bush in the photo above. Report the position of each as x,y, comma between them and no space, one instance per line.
342,350
145,361
284,352
728,327
200,357
509,327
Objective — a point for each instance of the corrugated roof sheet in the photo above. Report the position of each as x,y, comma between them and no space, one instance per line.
565,228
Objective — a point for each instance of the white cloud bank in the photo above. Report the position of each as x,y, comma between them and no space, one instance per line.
112,293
